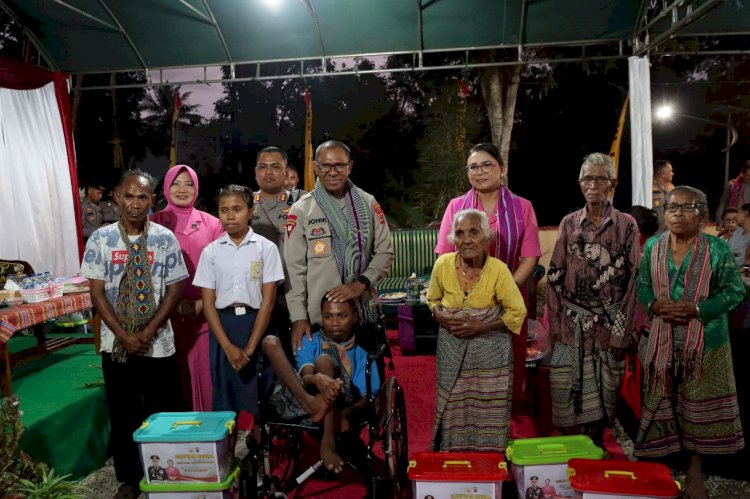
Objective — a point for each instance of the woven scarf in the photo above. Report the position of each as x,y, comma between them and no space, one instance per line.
736,195
352,229
135,305
337,352
661,339
508,225
584,318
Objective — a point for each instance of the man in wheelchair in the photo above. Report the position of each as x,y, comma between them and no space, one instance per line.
329,384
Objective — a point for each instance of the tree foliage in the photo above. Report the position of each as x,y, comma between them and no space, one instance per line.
11,37
157,112
452,125
103,118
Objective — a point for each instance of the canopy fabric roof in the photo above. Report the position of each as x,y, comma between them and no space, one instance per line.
96,36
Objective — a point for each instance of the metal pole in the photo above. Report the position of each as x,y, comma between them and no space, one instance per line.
729,146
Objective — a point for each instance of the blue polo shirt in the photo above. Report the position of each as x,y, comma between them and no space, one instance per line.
312,349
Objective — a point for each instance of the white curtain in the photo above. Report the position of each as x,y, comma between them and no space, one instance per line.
36,201
641,149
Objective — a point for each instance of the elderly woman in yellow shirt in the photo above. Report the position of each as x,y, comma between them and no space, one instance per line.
477,303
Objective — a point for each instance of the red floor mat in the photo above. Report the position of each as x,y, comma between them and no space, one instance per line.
416,374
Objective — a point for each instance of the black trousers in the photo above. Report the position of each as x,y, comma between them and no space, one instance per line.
135,389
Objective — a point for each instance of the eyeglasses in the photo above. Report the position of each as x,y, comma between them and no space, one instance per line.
686,207
339,167
484,167
594,180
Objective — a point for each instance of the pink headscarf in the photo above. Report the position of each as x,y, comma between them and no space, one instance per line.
181,218
193,228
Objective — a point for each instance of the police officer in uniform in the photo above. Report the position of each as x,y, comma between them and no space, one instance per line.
270,208
292,180
111,209
91,215
661,186
338,244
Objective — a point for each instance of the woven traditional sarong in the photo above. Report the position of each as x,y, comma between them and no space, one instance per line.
584,380
474,380
702,416
601,378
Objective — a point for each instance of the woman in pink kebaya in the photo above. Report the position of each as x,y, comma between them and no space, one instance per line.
194,230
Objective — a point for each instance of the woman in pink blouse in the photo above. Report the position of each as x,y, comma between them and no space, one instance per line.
194,229
515,231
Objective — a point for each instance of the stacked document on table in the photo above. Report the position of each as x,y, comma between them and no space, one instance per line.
75,284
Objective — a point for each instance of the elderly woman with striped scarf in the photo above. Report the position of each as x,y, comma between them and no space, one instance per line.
688,281
479,307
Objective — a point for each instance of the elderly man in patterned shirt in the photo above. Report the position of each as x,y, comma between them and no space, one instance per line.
591,303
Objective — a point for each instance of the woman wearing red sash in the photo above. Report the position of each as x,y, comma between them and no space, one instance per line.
513,222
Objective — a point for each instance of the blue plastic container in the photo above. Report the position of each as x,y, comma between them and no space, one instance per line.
187,446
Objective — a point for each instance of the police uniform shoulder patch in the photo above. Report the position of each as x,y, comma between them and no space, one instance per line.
291,223
379,212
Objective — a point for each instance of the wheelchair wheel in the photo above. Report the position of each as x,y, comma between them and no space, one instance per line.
285,449
396,441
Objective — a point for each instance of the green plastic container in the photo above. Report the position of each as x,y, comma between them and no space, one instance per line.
545,460
228,489
186,446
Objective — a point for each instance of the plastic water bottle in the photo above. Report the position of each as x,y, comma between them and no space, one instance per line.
412,287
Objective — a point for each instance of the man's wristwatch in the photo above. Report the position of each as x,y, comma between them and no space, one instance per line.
364,280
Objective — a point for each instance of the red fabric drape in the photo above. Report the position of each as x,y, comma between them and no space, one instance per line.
23,76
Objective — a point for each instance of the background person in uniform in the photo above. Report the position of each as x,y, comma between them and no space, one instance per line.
194,230
292,181
338,244
270,209
591,302
136,270
91,215
239,274
292,185
736,193
662,184
110,209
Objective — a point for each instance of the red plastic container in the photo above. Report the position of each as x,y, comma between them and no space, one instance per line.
458,474
620,479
